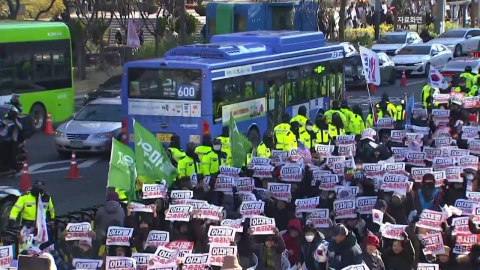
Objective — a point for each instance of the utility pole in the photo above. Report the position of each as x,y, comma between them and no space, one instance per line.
439,24
183,22
378,11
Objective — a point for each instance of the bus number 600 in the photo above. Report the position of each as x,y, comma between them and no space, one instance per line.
185,91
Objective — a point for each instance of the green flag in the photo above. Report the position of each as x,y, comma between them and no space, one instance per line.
122,173
239,143
152,160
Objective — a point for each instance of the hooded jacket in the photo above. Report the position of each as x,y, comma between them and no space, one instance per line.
110,214
293,244
346,253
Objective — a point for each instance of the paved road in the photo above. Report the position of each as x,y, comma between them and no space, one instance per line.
70,195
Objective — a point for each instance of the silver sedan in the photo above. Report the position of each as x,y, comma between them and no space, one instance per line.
91,130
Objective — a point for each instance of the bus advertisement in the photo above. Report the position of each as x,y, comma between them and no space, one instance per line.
254,76
36,63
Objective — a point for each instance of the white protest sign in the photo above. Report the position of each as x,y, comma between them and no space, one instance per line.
306,205
119,236
78,231
157,238
261,225
179,212
120,263
250,209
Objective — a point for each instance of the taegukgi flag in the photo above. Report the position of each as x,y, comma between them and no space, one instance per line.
371,65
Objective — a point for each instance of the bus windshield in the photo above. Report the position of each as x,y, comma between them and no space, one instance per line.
170,84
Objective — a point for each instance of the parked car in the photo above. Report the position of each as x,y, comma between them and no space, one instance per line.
111,88
457,66
355,77
459,41
418,58
392,43
91,130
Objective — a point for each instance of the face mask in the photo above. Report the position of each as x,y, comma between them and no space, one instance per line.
309,238
217,147
469,177
309,128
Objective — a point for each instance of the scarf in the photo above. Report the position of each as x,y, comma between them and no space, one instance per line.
269,257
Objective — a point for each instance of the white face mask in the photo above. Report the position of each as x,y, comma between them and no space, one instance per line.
217,147
469,177
309,238
309,128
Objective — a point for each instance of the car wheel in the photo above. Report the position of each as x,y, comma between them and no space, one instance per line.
39,117
393,78
254,137
427,69
458,51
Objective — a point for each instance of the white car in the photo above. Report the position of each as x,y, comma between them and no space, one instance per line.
459,41
392,43
418,58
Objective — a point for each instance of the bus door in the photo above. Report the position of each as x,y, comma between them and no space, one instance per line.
276,100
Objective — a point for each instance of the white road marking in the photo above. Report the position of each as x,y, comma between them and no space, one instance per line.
37,166
89,163
412,83
82,163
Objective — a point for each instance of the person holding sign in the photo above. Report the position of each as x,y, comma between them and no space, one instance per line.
269,253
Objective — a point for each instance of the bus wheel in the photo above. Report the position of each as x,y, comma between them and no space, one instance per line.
39,117
254,137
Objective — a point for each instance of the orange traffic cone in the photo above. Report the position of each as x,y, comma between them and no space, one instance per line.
73,173
372,88
48,126
403,82
25,179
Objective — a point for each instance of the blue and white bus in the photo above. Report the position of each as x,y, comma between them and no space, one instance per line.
254,76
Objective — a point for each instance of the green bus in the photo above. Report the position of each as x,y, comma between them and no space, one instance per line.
36,63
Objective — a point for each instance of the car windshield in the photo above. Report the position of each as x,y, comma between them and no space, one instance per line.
100,113
417,50
460,65
453,34
392,39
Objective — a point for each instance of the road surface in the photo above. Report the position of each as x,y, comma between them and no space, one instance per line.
71,195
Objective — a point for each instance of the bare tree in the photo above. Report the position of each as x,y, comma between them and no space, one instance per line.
156,28
14,7
45,10
124,11
341,21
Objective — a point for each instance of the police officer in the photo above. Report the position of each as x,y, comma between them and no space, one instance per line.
26,206
122,195
356,121
190,163
174,150
15,101
335,109
384,107
469,76
400,115
225,139
348,115
291,138
462,86
301,117
336,127
369,122
205,147
427,91
307,135
281,130
267,144
212,161
321,129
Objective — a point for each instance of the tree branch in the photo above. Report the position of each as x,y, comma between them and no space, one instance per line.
47,9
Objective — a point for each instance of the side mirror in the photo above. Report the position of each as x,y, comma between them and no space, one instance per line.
469,36
410,40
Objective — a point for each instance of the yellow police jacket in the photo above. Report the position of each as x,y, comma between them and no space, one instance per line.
348,115
400,115
357,124
390,109
369,121
470,79
225,145
280,131
187,166
212,161
263,151
26,205
333,131
306,139
427,90
290,141
176,153
302,120
328,115
122,195
202,150
322,137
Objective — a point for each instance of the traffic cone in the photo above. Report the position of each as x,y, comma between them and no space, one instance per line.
48,126
73,173
25,179
372,88
403,82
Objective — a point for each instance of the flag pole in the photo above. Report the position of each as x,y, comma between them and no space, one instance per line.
371,102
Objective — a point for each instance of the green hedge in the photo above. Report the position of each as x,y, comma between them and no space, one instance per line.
366,36
147,51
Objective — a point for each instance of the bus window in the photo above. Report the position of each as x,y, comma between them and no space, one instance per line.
291,87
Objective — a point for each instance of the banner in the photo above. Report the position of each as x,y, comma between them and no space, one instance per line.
179,212
261,225
122,173
120,263
221,235
78,231
119,236
157,238
240,144
218,253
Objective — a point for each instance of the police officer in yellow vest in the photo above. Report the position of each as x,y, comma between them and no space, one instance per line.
281,130
400,115
336,127
122,195
267,144
369,122
427,91
348,115
212,161
191,163
356,121
384,107
307,135
474,90
291,138
469,76
225,139
205,147
335,109
174,150
301,117
26,206
462,86
321,130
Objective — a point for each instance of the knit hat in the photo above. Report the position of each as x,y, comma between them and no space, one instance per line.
231,263
112,196
372,240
